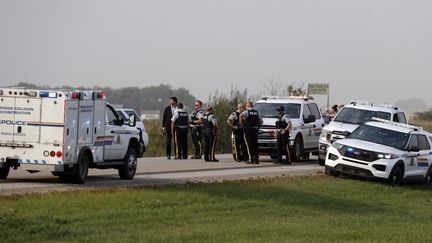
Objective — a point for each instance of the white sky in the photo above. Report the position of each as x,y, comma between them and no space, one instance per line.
376,50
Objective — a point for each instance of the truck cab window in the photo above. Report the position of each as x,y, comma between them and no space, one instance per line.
110,117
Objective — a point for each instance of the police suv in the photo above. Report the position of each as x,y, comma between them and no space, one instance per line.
350,117
306,120
383,149
65,132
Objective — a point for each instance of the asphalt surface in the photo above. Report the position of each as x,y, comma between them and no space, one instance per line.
159,171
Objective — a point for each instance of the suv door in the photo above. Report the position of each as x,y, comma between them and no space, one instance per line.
114,146
317,124
307,128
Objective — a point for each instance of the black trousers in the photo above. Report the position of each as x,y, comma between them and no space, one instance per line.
209,144
283,147
168,139
239,145
196,134
181,143
251,138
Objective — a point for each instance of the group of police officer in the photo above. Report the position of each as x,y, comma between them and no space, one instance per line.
203,126
245,123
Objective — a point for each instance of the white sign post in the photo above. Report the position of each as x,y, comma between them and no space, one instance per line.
320,89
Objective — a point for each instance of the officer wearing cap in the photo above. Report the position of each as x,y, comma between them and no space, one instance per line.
283,126
210,126
166,124
196,128
179,125
251,120
239,145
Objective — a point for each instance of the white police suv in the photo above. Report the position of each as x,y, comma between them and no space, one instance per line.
307,123
383,149
350,117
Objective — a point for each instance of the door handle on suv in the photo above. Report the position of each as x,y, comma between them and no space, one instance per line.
314,126
113,131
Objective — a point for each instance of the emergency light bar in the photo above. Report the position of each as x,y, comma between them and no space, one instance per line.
48,94
415,128
358,102
286,97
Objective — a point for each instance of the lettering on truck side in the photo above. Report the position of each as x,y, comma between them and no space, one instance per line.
13,123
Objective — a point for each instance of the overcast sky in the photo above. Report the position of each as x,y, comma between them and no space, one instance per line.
377,50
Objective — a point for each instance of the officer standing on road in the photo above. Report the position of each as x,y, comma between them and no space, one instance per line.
166,124
210,126
283,126
251,120
179,125
239,145
196,129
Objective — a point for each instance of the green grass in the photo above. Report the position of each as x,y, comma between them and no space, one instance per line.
298,209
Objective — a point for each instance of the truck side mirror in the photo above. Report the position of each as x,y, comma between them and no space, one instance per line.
132,121
309,119
346,134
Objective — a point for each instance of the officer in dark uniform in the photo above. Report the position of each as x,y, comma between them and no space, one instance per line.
283,126
196,129
239,145
180,126
210,126
166,124
251,120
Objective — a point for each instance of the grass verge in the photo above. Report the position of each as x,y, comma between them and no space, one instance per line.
295,209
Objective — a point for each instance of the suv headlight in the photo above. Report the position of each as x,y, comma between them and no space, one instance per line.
337,145
325,136
387,156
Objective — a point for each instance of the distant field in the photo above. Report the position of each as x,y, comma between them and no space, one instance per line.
306,209
427,125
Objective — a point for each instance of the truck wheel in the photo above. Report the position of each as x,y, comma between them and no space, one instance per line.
321,162
128,170
81,169
396,176
4,172
297,149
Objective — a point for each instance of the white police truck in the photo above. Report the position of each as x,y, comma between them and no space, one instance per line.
65,132
383,149
307,123
350,117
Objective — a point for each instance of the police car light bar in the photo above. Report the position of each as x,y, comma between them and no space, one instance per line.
360,102
416,128
272,97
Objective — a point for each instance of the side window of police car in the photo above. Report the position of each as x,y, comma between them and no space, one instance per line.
423,142
413,142
111,117
306,112
402,118
315,111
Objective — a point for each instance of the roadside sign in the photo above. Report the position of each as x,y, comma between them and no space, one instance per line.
319,88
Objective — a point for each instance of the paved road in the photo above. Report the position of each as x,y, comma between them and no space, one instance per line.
158,171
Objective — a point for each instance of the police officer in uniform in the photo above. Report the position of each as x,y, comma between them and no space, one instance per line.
251,120
180,125
210,126
166,124
283,126
196,129
239,145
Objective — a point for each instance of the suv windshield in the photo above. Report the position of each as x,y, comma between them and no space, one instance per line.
358,116
269,109
381,136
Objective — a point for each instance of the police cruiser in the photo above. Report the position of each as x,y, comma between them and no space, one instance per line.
307,123
65,132
350,117
383,149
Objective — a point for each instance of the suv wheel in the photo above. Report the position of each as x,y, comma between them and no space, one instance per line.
297,149
128,170
396,176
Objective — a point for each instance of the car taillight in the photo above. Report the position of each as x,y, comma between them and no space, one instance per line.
59,154
52,153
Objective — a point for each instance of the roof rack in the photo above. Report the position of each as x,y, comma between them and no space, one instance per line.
360,102
415,128
273,97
